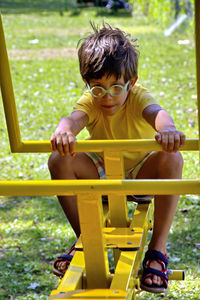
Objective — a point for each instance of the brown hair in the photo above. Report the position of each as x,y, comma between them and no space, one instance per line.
107,51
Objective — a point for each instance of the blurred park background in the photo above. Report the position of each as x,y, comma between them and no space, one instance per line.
41,39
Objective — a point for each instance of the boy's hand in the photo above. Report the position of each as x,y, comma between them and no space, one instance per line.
64,138
170,138
63,141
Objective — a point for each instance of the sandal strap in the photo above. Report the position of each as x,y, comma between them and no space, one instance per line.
149,272
72,248
64,257
155,255
163,274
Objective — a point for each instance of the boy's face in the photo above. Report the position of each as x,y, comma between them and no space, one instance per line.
109,104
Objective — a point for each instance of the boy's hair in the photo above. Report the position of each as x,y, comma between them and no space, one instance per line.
108,51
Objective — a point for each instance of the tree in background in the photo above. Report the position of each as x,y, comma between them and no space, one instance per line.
163,11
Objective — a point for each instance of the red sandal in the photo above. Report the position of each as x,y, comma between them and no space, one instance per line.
149,272
65,258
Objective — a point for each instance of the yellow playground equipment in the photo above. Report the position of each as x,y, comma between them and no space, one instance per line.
105,224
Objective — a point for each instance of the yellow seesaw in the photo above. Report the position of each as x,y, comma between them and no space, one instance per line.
105,223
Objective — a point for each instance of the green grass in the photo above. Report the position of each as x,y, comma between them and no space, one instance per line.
33,230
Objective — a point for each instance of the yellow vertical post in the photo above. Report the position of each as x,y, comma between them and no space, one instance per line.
143,215
117,203
197,38
8,95
91,223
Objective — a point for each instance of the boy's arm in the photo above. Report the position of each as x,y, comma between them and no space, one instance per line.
64,138
167,135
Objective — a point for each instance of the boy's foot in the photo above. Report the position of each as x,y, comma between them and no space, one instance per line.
155,275
62,263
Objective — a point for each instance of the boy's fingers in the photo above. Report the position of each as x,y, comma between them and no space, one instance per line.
158,137
71,140
165,142
52,143
182,139
177,142
171,143
71,148
65,143
68,143
66,149
59,145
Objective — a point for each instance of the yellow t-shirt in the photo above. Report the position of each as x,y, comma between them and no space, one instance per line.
127,123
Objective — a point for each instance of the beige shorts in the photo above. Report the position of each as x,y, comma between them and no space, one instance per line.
129,174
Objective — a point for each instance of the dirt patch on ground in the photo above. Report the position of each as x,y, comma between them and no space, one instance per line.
42,53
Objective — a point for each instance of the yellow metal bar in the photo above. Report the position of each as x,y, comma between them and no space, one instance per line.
118,187
142,213
197,38
176,275
103,145
114,168
91,223
114,164
118,210
8,95
129,261
100,294
142,216
123,270
123,238
44,146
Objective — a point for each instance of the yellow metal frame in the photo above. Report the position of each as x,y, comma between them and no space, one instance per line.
19,146
107,225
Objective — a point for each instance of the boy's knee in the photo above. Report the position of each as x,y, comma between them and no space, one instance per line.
179,159
57,163
171,161
174,159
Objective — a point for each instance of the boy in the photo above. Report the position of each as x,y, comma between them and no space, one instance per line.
115,107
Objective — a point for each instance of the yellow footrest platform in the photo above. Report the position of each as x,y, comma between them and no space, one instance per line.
120,238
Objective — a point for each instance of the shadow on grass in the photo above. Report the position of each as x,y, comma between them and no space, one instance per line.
42,208
22,273
34,232
121,13
27,267
37,6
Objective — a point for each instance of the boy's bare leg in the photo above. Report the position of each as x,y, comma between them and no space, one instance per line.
162,165
68,167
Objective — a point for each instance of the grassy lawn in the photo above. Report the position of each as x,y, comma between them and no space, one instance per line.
46,80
